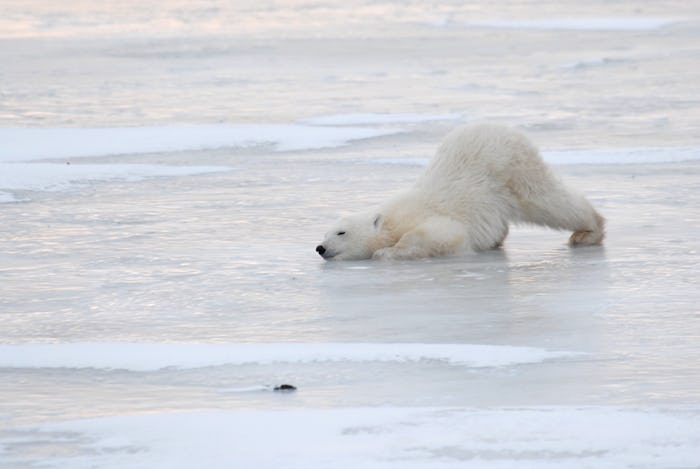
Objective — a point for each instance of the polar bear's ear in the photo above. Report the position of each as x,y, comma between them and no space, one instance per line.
378,221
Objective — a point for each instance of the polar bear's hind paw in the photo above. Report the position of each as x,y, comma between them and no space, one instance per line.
586,238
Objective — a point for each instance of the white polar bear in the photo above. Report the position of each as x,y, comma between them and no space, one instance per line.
482,178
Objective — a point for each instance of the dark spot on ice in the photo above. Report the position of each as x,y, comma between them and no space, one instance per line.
285,388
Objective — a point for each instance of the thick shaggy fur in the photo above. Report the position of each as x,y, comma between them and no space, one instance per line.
482,178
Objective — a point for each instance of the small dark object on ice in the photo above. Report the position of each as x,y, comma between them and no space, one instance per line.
285,388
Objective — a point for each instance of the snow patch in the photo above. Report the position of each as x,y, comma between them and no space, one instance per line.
574,24
417,438
20,145
618,156
372,118
149,357
56,177
23,144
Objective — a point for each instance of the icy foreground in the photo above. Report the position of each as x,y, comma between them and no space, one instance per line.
532,356
542,437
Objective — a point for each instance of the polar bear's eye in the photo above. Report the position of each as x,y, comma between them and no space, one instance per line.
340,233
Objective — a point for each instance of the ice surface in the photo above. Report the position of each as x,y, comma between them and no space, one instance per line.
372,118
579,24
7,197
145,316
21,144
541,437
623,155
61,176
148,357
26,144
57,176
591,63
611,156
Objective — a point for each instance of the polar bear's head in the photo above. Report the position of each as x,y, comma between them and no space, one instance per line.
352,238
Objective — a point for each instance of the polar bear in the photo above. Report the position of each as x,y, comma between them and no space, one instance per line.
482,178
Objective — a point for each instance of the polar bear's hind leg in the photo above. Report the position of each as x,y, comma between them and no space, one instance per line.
560,208
499,244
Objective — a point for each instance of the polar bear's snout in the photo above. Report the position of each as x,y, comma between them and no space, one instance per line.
325,253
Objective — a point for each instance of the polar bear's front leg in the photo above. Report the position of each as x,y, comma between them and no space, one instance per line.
437,236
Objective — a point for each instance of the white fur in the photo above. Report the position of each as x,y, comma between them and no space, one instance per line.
482,178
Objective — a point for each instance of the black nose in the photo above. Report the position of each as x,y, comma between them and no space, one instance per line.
320,249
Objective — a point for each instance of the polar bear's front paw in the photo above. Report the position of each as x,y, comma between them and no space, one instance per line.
384,254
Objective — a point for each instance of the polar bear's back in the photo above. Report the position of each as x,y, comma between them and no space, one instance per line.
474,151
483,171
